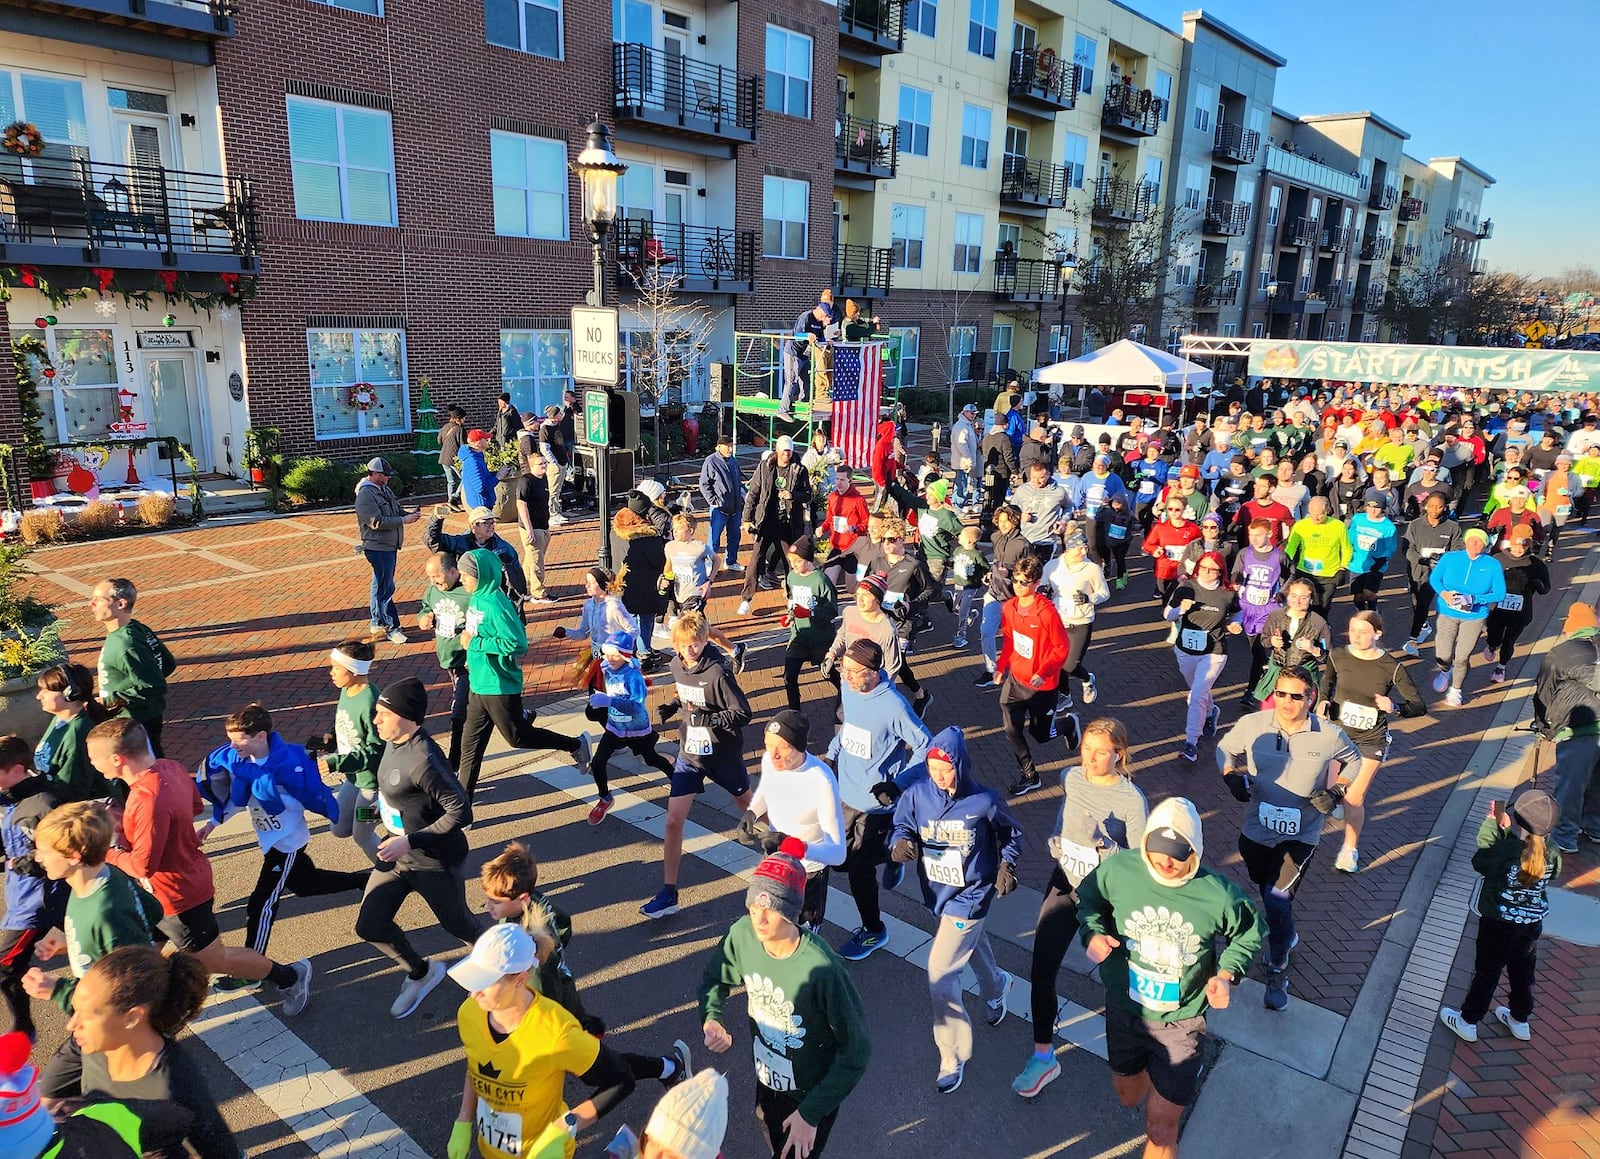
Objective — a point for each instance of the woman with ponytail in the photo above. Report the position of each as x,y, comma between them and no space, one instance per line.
127,1012
66,692
1517,861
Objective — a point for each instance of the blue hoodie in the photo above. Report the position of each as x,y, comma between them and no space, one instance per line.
1483,579
962,836
882,739
624,700
277,792
477,481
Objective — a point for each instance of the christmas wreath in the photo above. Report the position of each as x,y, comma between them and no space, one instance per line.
23,139
363,396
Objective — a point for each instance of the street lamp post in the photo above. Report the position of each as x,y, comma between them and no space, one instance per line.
598,170
1272,296
1069,266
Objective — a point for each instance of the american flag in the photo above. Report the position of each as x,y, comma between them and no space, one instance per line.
857,386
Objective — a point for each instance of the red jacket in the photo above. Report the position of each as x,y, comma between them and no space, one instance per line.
163,847
884,465
1166,542
1032,641
850,506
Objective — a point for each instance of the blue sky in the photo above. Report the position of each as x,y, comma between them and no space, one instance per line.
1510,87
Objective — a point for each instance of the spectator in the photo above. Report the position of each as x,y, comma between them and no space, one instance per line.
451,436
477,481
382,522
722,487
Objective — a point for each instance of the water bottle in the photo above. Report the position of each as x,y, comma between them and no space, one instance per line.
625,1145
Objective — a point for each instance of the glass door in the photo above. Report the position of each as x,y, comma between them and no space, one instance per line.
173,405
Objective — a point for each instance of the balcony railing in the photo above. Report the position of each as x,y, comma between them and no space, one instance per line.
70,210
189,19
1026,279
1222,292
674,92
1235,143
1410,208
1041,79
1480,266
1118,199
1300,231
1409,252
1485,229
1373,298
1134,111
862,271
1333,294
1383,198
1032,181
876,27
698,259
1229,218
1305,171
1376,247
1336,239
866,147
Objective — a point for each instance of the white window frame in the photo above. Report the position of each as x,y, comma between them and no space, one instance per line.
787,38
962,344
554,168
978,118
1274,205
983,20
534,399
910,337
1154,167
997,332
353,6
365,427
1192,192
343,167
521,7
1060,343
1205,99
1076,152
1085,67
921,102
967,254
1258,329
1163,89
1230,329
901,219
805,222
1183,273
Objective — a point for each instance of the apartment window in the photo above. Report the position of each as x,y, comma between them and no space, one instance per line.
342,158
784,205
1083,54
983,23
1244,191
908,226
80,405
1076,159
1163,89
1205,97
1258,330
969,243
1060,342
1000,350
1274,204
1266,280
905,342
963,341
1230,329
1152,178
532,26
1137,332
1183,273
535,367
922,17
530,186
788,72
370,7
976,123
916,120
1194,179
1174,340
55,106
340,359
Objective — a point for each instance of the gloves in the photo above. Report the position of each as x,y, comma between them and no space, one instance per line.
726,720
1238,784
1325,801
599,700
887,792
667,711
750,828
827,669
904,851
1080,597
801,613
771,840
1006,880
320,743
560,634
460,1140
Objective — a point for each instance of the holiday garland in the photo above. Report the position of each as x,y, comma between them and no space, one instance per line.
23,139
173,286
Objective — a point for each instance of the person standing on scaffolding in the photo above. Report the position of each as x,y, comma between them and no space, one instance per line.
810,328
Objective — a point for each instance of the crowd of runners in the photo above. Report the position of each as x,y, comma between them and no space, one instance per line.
1271,527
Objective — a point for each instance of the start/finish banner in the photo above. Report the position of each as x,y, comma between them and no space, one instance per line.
1461,367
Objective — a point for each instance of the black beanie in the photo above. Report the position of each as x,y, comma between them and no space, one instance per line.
792,726
407,699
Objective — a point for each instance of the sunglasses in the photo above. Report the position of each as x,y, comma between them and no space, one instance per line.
1291,695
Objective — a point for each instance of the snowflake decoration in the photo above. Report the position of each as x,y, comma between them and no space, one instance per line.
225,313
106,308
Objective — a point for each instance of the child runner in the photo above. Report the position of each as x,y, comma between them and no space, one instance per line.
812,605
1033,652
602,612
66,692
969,575
444,613
134,664
34,901
1006,547
1516,861
692,566
1077,586
354,747
627,719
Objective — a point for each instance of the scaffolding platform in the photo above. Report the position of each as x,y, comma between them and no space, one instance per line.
758,388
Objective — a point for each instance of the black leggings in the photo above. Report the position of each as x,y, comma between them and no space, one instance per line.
1364,589
503,712
1422,597
1052,936
773,1108
387,889
295,872
16,959
866,846
800,652
1035,711
768,558
1077,648
643,747
1322,592
1503,629
1507,946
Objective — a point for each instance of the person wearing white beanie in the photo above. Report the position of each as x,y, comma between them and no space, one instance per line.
689,1121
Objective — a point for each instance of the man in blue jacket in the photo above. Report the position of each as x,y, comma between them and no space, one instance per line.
722,487
1470,582
277,783
966,846
481,532
877,752
477,481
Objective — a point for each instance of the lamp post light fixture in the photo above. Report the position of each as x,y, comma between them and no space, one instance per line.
1069,266
598,170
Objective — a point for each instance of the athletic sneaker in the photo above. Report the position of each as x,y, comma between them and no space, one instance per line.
414,990
733,568
1451,1017
894,872
296,996
996,1013
396,636
862,943
664,903
1038,1074
1122,582
585,753
986,680
744,607
1213,718
1024,785
1454,698
1277,992
1498,676
559,521
1091,691
1566,844
949,1081
1188,752
683,1064
1064,700
959,640
1441,680
738,657
601,808
1427,630
234,985
767,584
540,601
1488,654
1410,648
1519,1030
1071,730
921,704
1347,860
1283,966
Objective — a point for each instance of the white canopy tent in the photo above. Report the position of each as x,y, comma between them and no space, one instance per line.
1127,364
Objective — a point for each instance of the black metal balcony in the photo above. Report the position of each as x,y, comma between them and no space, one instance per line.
1485,229
1373,298
1375,247
1131,112
199,20
864,151
697,259
1119,200
1410,208
1032,183
1335,239
1222,292
869,29
1026,279
1235,143
1299,231
73,211
1409,252
1383,197
1227,218
1333,295
1041,82
651,87
862,271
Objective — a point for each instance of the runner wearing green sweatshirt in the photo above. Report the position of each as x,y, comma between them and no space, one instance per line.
354,747
1149,917
134,664
1319,545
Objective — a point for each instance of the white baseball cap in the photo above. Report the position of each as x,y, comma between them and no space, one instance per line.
783,443
504,949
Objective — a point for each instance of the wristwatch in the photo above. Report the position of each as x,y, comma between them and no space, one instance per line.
1229,977
571,1124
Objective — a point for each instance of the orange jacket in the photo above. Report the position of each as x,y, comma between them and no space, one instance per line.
163,848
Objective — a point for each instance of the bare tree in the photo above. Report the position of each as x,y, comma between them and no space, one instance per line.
673,336
948,309
1418,306
1493,307
1568,300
